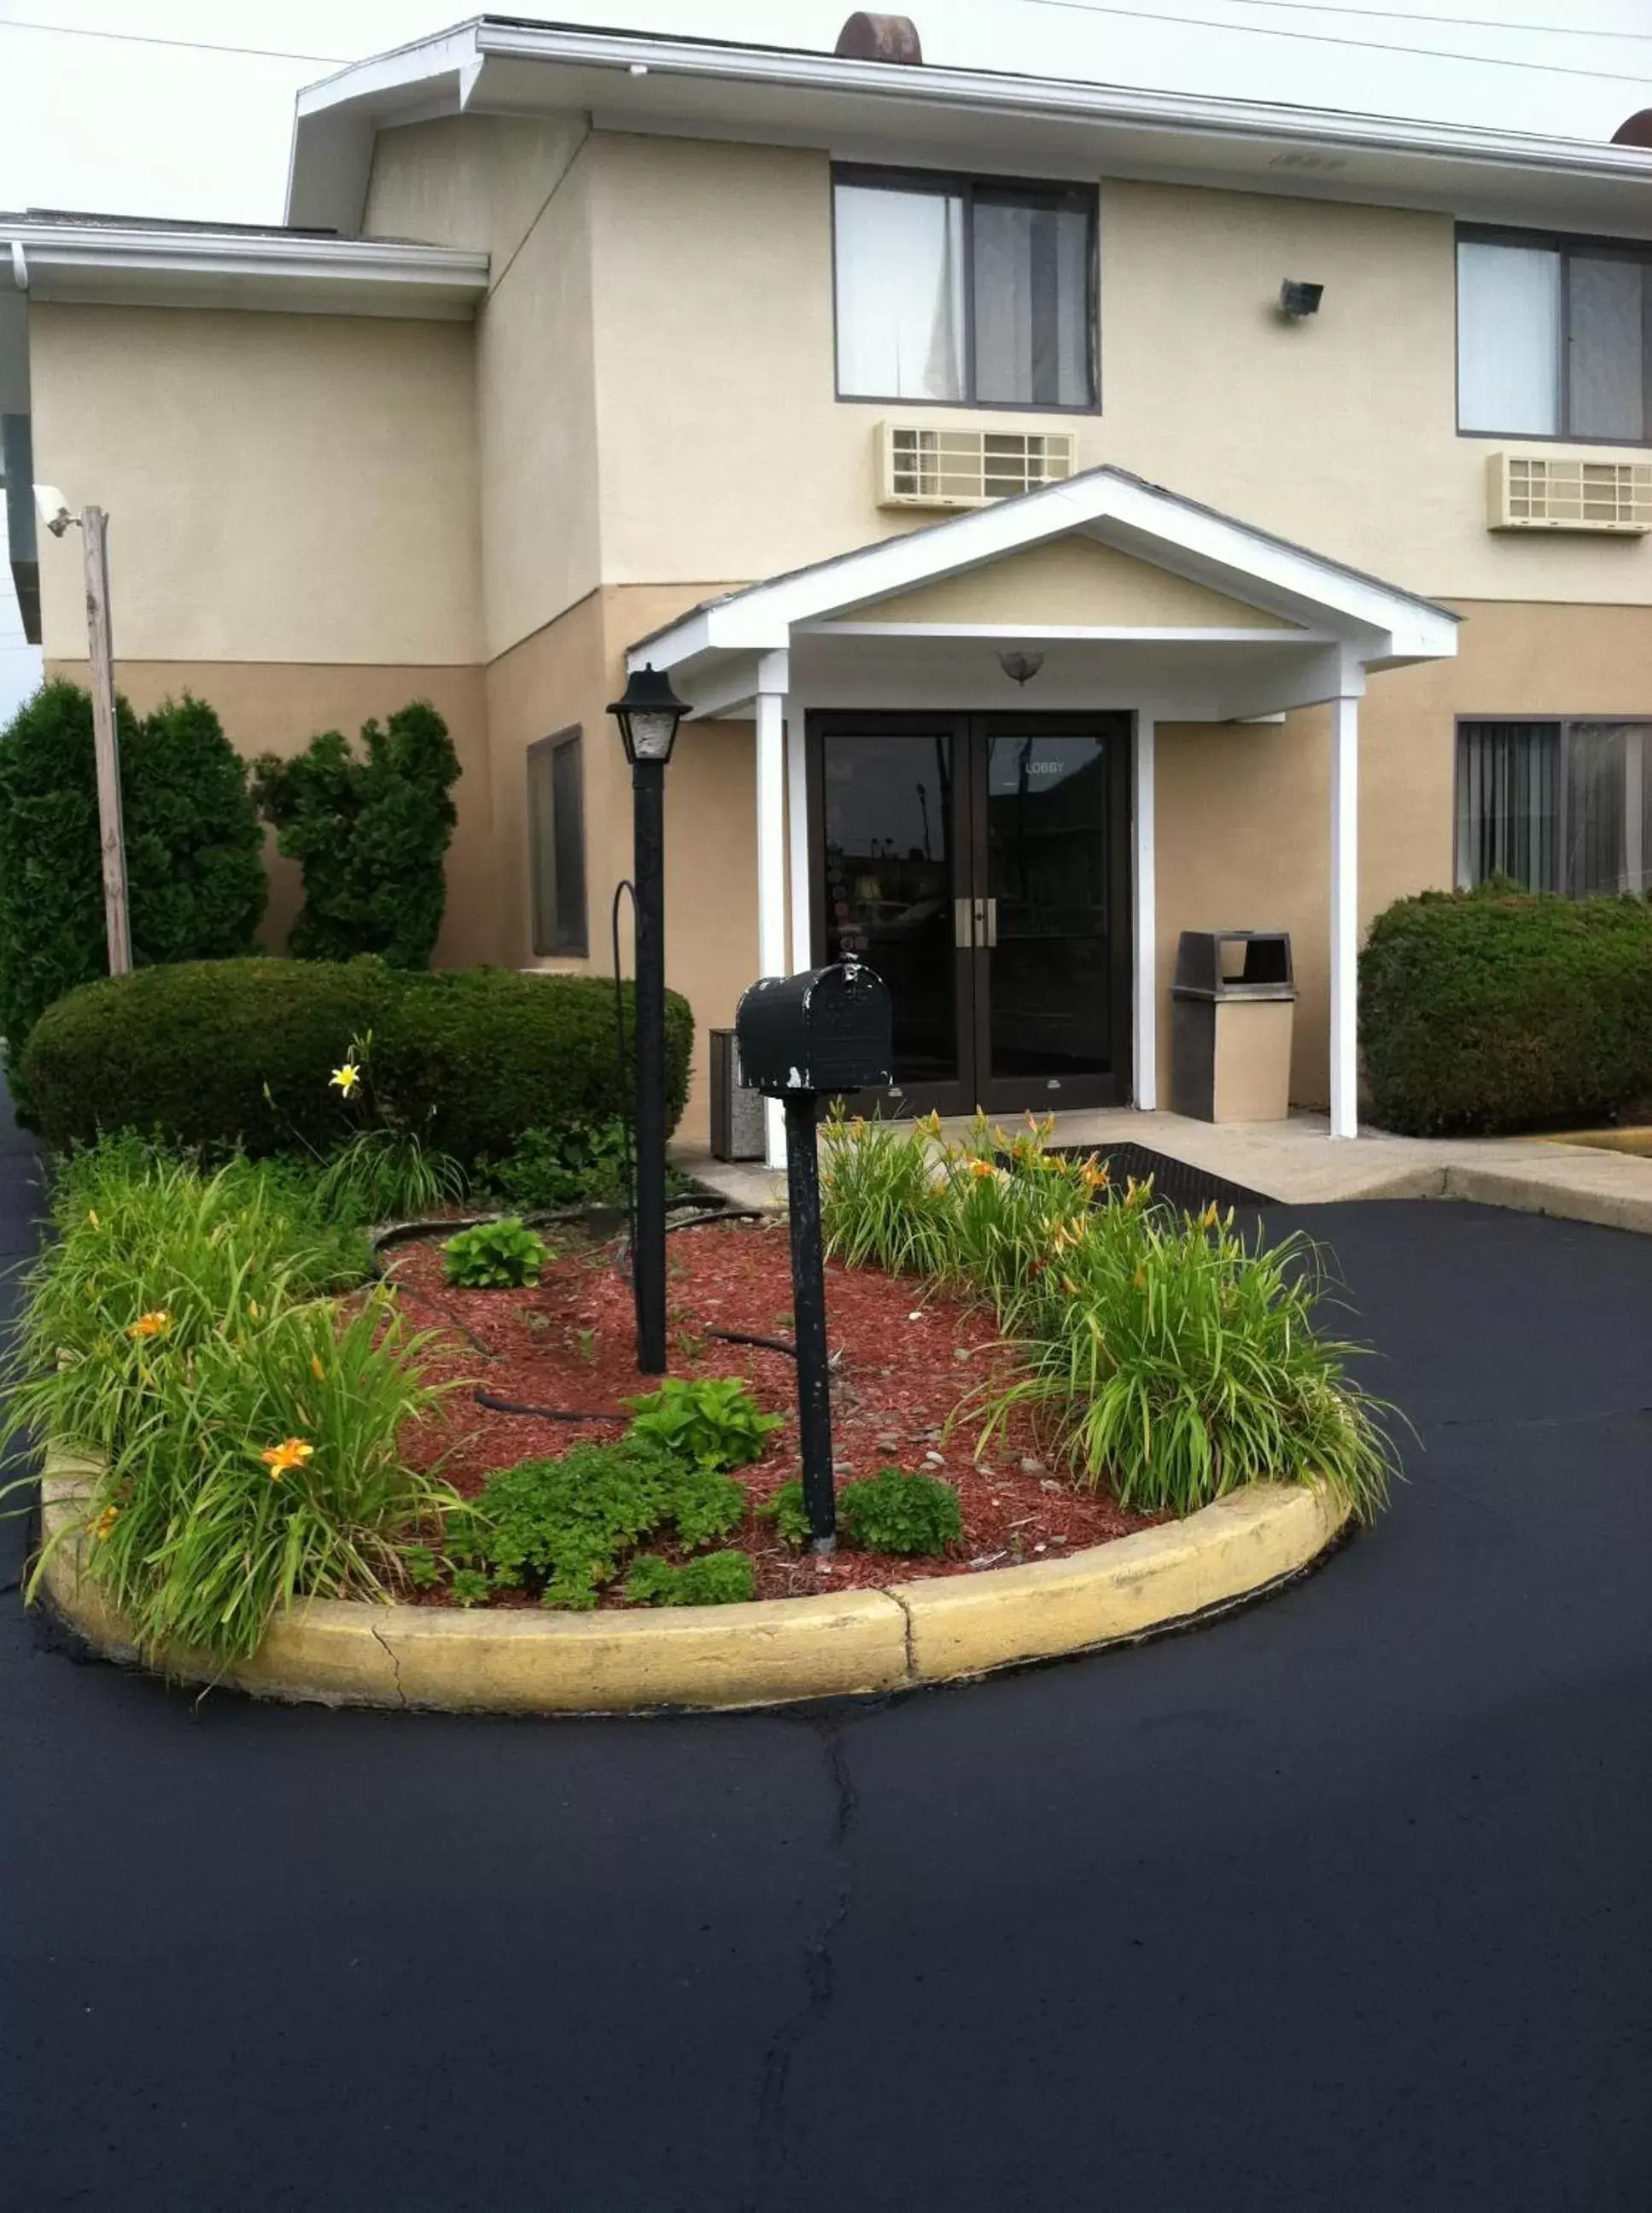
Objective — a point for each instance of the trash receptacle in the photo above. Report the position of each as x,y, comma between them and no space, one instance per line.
737,1127
1233,1002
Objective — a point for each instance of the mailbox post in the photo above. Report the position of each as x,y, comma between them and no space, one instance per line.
802,1038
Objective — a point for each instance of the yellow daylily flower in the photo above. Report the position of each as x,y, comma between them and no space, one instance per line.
346,1078
292,1452
91,1215
316,1368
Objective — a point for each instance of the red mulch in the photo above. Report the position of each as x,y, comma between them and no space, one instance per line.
903,1359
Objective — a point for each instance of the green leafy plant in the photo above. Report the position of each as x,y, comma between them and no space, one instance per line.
370,831
248,1430
1502,1009
712,1423
195,874
574,1163
471,1587
222,1052
712,1579
564,1526
1167,1357
422,1569
893,1512
494,1256
788,1513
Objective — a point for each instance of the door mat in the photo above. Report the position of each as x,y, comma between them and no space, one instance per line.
1178,1183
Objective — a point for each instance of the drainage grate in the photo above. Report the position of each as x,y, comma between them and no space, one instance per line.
1176,1182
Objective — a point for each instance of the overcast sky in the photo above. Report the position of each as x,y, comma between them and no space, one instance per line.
132,106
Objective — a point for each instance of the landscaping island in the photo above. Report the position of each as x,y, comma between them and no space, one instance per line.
1063,1413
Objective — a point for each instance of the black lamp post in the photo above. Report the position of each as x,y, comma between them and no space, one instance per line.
647,717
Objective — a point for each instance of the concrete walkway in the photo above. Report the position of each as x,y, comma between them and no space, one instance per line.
1299,1164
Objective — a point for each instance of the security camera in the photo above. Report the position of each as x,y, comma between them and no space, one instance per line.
54,509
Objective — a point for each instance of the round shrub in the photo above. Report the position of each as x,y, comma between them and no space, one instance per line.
220,1052
1498,1009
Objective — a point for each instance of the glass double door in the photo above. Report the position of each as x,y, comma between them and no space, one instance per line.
980,864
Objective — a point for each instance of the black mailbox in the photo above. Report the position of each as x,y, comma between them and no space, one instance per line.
825,1030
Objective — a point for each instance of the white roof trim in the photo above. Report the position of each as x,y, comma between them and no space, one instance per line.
156,265
481,63
1380,621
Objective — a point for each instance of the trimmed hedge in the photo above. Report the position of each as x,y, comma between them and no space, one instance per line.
1498,1009
227,1051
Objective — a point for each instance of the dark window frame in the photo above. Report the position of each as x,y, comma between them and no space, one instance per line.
1565,243
1564,725
544,930
942,183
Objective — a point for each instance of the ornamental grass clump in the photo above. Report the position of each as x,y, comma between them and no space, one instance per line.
1163,1356
246,1426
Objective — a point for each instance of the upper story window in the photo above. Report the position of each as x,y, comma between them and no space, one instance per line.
950,289
1554,338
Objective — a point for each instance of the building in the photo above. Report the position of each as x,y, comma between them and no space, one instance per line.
1074,514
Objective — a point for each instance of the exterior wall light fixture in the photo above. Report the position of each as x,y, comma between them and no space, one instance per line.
648,717
1021,668
1298,301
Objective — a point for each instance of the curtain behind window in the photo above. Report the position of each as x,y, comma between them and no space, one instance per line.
1596,861
1508,338
900,294
1508,804
1032,270
1608,357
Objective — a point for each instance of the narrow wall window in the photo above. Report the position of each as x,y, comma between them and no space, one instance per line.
1554,338
950,288
556,836
1555,807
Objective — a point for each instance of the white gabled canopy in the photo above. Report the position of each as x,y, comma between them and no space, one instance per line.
1257,626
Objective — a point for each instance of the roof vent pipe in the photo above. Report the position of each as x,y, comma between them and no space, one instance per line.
866,38
1636,131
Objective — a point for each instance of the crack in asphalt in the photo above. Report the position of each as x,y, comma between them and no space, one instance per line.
1534,1421
819,1966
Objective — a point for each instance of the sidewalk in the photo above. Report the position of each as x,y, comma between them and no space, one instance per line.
1297,1163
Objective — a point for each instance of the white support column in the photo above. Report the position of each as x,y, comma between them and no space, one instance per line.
1345,916
1144,1051
772,678
803,907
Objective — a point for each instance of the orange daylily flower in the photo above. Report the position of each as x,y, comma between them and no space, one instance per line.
293,1453
151,1325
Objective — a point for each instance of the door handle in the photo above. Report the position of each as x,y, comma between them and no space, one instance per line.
987,916
963,935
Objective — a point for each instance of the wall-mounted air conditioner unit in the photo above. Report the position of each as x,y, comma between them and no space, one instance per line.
1533,491
917,466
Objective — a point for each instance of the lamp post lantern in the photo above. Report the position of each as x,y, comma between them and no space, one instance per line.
648,717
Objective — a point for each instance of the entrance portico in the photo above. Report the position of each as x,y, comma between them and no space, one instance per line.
1031,650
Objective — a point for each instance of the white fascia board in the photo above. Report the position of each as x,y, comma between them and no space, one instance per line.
1051,96
126,264
1076,633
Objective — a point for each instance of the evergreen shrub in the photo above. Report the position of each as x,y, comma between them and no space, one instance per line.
194,849
217,1054
370,831
1501,1010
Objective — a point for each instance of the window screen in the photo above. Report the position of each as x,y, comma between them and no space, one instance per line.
1554,339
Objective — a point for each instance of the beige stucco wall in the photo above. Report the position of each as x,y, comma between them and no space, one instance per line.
278,706
1244,812
724,451
517,186
563,676
280,488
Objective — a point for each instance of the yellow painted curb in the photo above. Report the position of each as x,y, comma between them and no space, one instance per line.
343,1652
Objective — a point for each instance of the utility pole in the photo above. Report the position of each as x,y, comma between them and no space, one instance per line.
94,529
